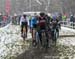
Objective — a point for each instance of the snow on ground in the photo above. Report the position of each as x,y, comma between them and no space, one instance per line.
11,43
67,41
66,45
67,31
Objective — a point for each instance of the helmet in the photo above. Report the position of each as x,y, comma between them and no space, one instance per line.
24,14
42,14
54,17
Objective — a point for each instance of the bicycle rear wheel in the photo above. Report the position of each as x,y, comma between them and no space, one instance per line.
24,33
44,40
55,37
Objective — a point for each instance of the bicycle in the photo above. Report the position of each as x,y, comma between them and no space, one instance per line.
44,40
24,35
49,37
55,36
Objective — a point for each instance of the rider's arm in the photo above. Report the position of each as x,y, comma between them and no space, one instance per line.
31,25
21,20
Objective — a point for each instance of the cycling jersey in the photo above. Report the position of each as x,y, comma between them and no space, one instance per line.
23,23
33,22
42,21
23,20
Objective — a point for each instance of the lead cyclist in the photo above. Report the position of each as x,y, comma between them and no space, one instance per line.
23,23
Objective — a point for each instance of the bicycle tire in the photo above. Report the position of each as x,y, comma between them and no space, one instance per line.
44,40
24,36
55,37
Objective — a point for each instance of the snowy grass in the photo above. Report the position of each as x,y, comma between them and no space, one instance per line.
11,44
66,52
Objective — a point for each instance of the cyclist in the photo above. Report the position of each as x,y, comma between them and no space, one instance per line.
14,19
49,26
54,26
48,20
23,23
42,25
33,27
54,21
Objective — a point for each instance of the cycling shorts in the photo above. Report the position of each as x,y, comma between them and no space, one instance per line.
24,24
34,26
43,28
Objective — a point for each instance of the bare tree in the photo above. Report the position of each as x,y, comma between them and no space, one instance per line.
18,6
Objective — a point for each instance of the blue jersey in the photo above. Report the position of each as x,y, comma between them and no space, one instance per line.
33,21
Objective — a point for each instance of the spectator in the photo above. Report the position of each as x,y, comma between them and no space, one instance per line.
72,18
60,17
1,18
4,18
14,19
64,17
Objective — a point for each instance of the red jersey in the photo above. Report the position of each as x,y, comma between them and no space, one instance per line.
42,21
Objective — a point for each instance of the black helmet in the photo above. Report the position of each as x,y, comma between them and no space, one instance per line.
24,15
42,14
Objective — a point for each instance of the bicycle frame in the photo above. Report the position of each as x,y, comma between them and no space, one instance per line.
24,33
54,36
44,38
